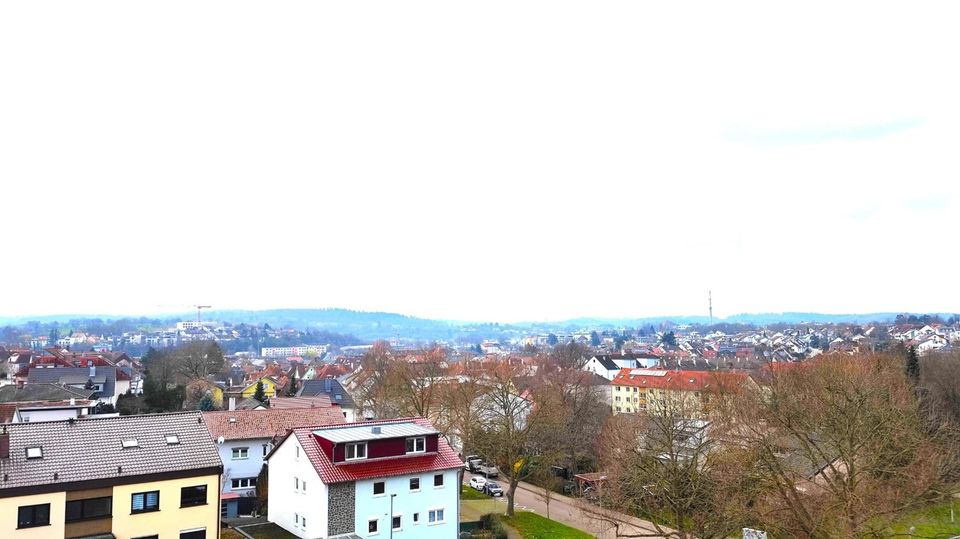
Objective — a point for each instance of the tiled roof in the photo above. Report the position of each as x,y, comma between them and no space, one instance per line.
254,424
680,380
9,409
90,449
320,401
77,375
444,459
41,392
327,386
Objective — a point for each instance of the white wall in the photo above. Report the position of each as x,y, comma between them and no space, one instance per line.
249,467
406,503
46,415
286,502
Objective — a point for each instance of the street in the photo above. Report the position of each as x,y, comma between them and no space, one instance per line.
573,512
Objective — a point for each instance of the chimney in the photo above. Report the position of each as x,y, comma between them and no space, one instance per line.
4,444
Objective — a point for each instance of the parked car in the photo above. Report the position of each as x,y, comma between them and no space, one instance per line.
492,489
487,470
472,463
478,482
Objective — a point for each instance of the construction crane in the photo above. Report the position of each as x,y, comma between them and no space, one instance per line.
198,311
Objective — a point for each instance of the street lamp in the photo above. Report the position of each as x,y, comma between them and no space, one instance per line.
392,496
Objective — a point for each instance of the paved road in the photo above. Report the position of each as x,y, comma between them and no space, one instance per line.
573,512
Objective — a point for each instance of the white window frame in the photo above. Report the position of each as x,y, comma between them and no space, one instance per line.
251,480
373,519
373,489
419,484
400,527
245,451
443,480
419,440
433,513
354,446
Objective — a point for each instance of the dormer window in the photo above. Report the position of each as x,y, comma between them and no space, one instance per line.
356,451
416,445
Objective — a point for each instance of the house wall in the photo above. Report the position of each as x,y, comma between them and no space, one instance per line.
9,513
406,503
171,518
286,502
50,414
240,468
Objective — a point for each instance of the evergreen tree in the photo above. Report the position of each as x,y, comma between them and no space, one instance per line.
260,394
912,367
594,339
292,390
206,403
552,339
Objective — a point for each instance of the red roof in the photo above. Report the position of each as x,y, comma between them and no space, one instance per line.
682,380
444,459
253,424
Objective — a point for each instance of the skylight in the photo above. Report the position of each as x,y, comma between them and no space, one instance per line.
172,439
34,452
132,442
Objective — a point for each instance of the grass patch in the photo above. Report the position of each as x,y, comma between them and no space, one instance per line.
227,533
268,531
534,526
470,493
933,521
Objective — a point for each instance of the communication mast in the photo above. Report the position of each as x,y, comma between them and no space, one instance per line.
198,311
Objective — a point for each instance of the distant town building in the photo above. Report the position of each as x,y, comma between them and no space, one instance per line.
291,351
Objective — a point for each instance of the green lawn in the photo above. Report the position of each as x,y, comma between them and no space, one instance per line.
534,526
268,531
930,522
469,493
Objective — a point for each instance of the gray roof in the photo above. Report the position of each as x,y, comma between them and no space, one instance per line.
90,449
75,375
607,363
327,386
42,392
363,432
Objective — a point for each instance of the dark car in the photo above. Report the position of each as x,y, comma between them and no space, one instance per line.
492,489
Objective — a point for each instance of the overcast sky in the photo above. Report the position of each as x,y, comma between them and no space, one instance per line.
480,161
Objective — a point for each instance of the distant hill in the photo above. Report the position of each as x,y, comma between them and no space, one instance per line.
370,326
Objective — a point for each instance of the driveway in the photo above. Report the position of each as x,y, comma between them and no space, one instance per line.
573,512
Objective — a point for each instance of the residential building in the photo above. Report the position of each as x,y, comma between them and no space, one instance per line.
335,391
367,479
652,390
245,437
289,351
122,477
608,365
34,411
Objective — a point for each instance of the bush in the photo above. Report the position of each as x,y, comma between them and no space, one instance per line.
491,523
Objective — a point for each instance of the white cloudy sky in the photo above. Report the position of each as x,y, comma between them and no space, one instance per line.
480,161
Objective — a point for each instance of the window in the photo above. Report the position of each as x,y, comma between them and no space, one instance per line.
415,483
239,453
438,480
194,534
303,486
266,449
356,451
617,398
296,483
29,516
397,521
144,502
298,451
132,442
618,388
190,496
296,519
372,525
243,482
618,408
435,516
416,518
34,452
89,509
379,488
172,439
304,521
416,445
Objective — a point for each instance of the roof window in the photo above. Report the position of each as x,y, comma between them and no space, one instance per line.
132,442
34,452
172,439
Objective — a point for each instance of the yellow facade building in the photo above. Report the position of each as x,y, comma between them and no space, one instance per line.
132,477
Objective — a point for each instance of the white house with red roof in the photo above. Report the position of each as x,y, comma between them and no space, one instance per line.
369,479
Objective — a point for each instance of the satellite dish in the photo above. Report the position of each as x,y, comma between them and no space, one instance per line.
220,440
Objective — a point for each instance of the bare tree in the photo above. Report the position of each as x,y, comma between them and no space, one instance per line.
515,432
